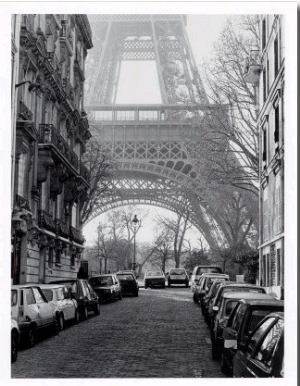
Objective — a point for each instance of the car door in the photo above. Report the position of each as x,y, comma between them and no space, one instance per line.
68,303
45,310
245,361
31,308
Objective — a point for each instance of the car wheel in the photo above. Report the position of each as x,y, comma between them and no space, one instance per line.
97,309
31,336
136,294
14,346
146,286
61,322
195,298
76,318
164,286
169,284
113,298
84,314
224,366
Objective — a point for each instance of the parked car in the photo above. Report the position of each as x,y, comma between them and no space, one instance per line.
209,296
60,298
178,276
131,271
86,297
229,287
242,321
262,356
31,310
227,303
200,269
155,278
14,339
107,287
204,284
129,284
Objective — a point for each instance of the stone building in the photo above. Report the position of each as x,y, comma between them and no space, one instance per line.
267,70
49,132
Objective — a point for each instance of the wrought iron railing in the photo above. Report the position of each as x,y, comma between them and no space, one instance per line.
21,202
46,220
62,228
24,112
49,134
77,235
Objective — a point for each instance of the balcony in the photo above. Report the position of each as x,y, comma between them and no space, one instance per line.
253,67
50,135
21,202
62,228
46,221
24,112
76,235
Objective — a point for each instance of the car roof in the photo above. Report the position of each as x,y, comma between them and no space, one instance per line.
246,295
104,275
64,281
27,285
276,314
262,302
242,285
177,269
51,286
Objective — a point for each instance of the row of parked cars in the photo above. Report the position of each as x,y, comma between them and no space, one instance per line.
37,307
156,278
246,326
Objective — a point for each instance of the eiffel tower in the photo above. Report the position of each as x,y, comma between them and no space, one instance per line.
154,165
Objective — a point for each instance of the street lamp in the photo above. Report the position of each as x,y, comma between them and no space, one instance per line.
135,227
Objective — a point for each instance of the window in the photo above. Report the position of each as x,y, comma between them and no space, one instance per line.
277,208
265,218
60,294
39,297
48,294
259,333
264,30
57,256
264,85
72,260
74,215
269,344
29,296
230,306
276,126
50,258
255,318
278,266
237,320
276,57
14,298
264,147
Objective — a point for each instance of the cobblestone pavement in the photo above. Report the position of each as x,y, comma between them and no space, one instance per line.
160,334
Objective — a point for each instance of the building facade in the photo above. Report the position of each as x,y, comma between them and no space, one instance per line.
49,134
266,70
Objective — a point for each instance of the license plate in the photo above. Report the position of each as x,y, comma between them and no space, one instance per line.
180,277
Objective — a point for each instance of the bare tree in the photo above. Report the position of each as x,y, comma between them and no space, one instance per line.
100,168
225,142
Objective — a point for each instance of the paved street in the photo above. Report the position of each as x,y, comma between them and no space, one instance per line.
159,334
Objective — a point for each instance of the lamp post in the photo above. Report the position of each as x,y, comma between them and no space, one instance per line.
135,227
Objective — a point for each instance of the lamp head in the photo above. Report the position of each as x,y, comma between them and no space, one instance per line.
135,220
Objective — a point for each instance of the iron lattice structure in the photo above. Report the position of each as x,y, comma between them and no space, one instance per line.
155,161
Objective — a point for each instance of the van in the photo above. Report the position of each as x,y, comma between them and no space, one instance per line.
200,269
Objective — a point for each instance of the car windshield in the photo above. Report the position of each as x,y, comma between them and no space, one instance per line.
14,297
48,293
103,281
125,277
178,272
154,273
208,270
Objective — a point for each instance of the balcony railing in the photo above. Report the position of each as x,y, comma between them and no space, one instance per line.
46,221
252,67
24,112
62,228
21,202
77,235
49,134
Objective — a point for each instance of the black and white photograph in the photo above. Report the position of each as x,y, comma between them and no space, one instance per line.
149,196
